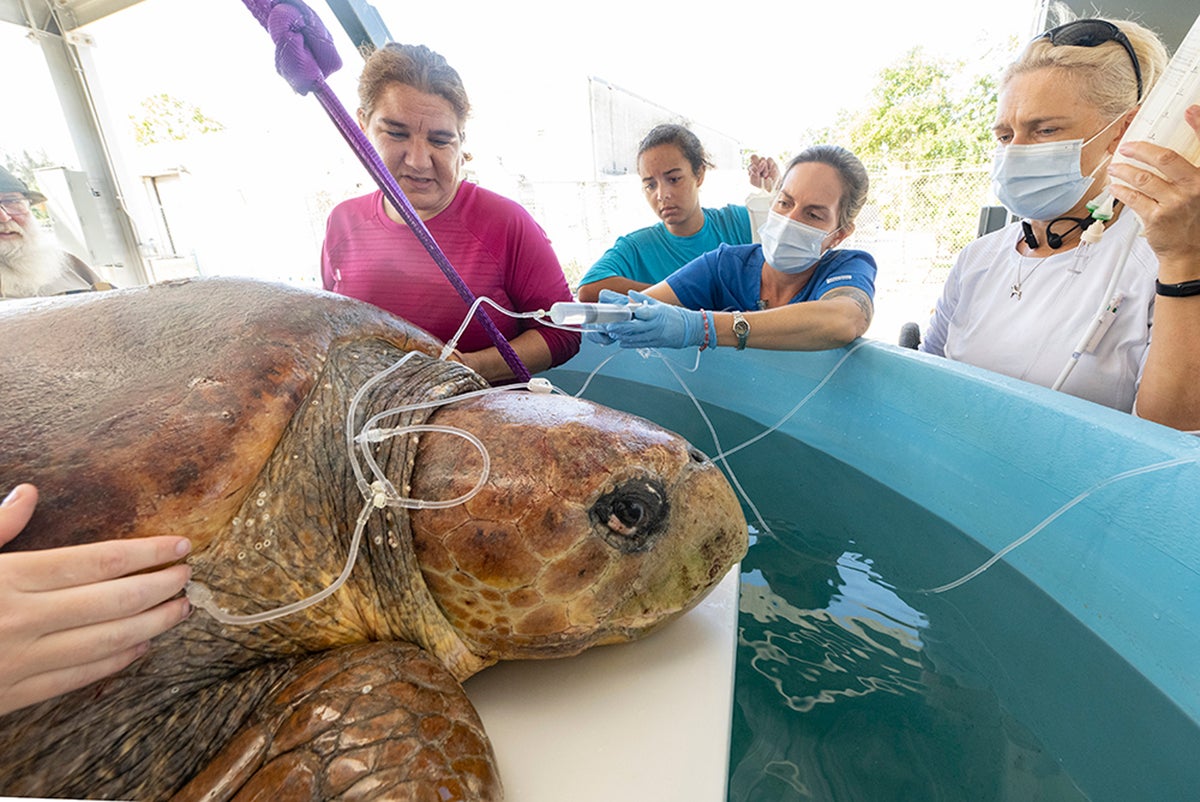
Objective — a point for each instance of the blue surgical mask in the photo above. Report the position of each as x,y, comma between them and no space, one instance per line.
790,246
1042,181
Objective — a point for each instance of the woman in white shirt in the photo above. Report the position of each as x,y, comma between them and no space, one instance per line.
1019,300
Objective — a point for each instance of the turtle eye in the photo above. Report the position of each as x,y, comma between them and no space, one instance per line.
632,514
629,513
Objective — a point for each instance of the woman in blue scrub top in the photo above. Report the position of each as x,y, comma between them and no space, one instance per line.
795,291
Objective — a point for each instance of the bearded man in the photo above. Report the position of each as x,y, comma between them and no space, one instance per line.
31,263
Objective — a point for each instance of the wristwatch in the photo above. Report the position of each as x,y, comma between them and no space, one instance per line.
741,328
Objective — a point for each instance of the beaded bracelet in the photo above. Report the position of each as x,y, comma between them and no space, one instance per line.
707,330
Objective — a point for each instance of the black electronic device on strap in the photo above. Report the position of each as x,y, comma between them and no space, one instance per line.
1053,239
1029,236
1184,289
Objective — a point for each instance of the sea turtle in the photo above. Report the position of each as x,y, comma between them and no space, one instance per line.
216,409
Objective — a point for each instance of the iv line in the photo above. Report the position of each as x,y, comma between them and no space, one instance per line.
377,494
1111,301
1158,466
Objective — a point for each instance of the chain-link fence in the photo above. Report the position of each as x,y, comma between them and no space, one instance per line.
919,216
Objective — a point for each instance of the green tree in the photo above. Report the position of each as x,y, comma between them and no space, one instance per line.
166,118
923,108
925,136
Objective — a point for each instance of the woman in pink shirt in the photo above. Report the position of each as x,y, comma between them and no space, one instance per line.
413,109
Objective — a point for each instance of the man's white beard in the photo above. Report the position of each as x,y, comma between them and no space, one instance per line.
30,263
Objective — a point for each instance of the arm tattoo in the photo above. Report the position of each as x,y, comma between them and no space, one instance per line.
858,296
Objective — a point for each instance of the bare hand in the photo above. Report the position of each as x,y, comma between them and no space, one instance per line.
71,615
764,172
1168,207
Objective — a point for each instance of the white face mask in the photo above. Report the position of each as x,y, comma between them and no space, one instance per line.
1043,181
790,246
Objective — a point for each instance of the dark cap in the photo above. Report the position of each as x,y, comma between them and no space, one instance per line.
10,183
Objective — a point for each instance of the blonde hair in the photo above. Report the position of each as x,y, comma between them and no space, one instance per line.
1103,75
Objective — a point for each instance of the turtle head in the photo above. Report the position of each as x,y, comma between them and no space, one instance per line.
593,527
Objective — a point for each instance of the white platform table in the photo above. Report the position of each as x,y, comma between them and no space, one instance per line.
643,720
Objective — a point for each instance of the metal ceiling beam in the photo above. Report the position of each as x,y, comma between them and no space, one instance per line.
72,13
26,13
362,23
69,59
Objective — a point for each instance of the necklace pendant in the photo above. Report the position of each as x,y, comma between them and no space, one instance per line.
1016,292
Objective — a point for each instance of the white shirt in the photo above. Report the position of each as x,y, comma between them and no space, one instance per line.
981,321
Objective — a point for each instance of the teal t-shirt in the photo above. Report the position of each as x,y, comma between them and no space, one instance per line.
651,254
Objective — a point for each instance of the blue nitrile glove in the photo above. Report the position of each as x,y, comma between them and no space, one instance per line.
595,331
658,325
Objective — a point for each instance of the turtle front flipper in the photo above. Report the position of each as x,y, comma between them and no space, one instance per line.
376,721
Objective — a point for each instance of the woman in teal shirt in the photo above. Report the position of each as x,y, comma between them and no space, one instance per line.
672,163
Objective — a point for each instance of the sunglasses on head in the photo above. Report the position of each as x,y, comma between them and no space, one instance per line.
1091,33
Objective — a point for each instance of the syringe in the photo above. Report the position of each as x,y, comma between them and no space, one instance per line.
567,313
1160,119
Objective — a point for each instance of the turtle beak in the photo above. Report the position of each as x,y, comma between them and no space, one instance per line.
630,516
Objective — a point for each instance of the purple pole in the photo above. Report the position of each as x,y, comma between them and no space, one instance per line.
304,56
